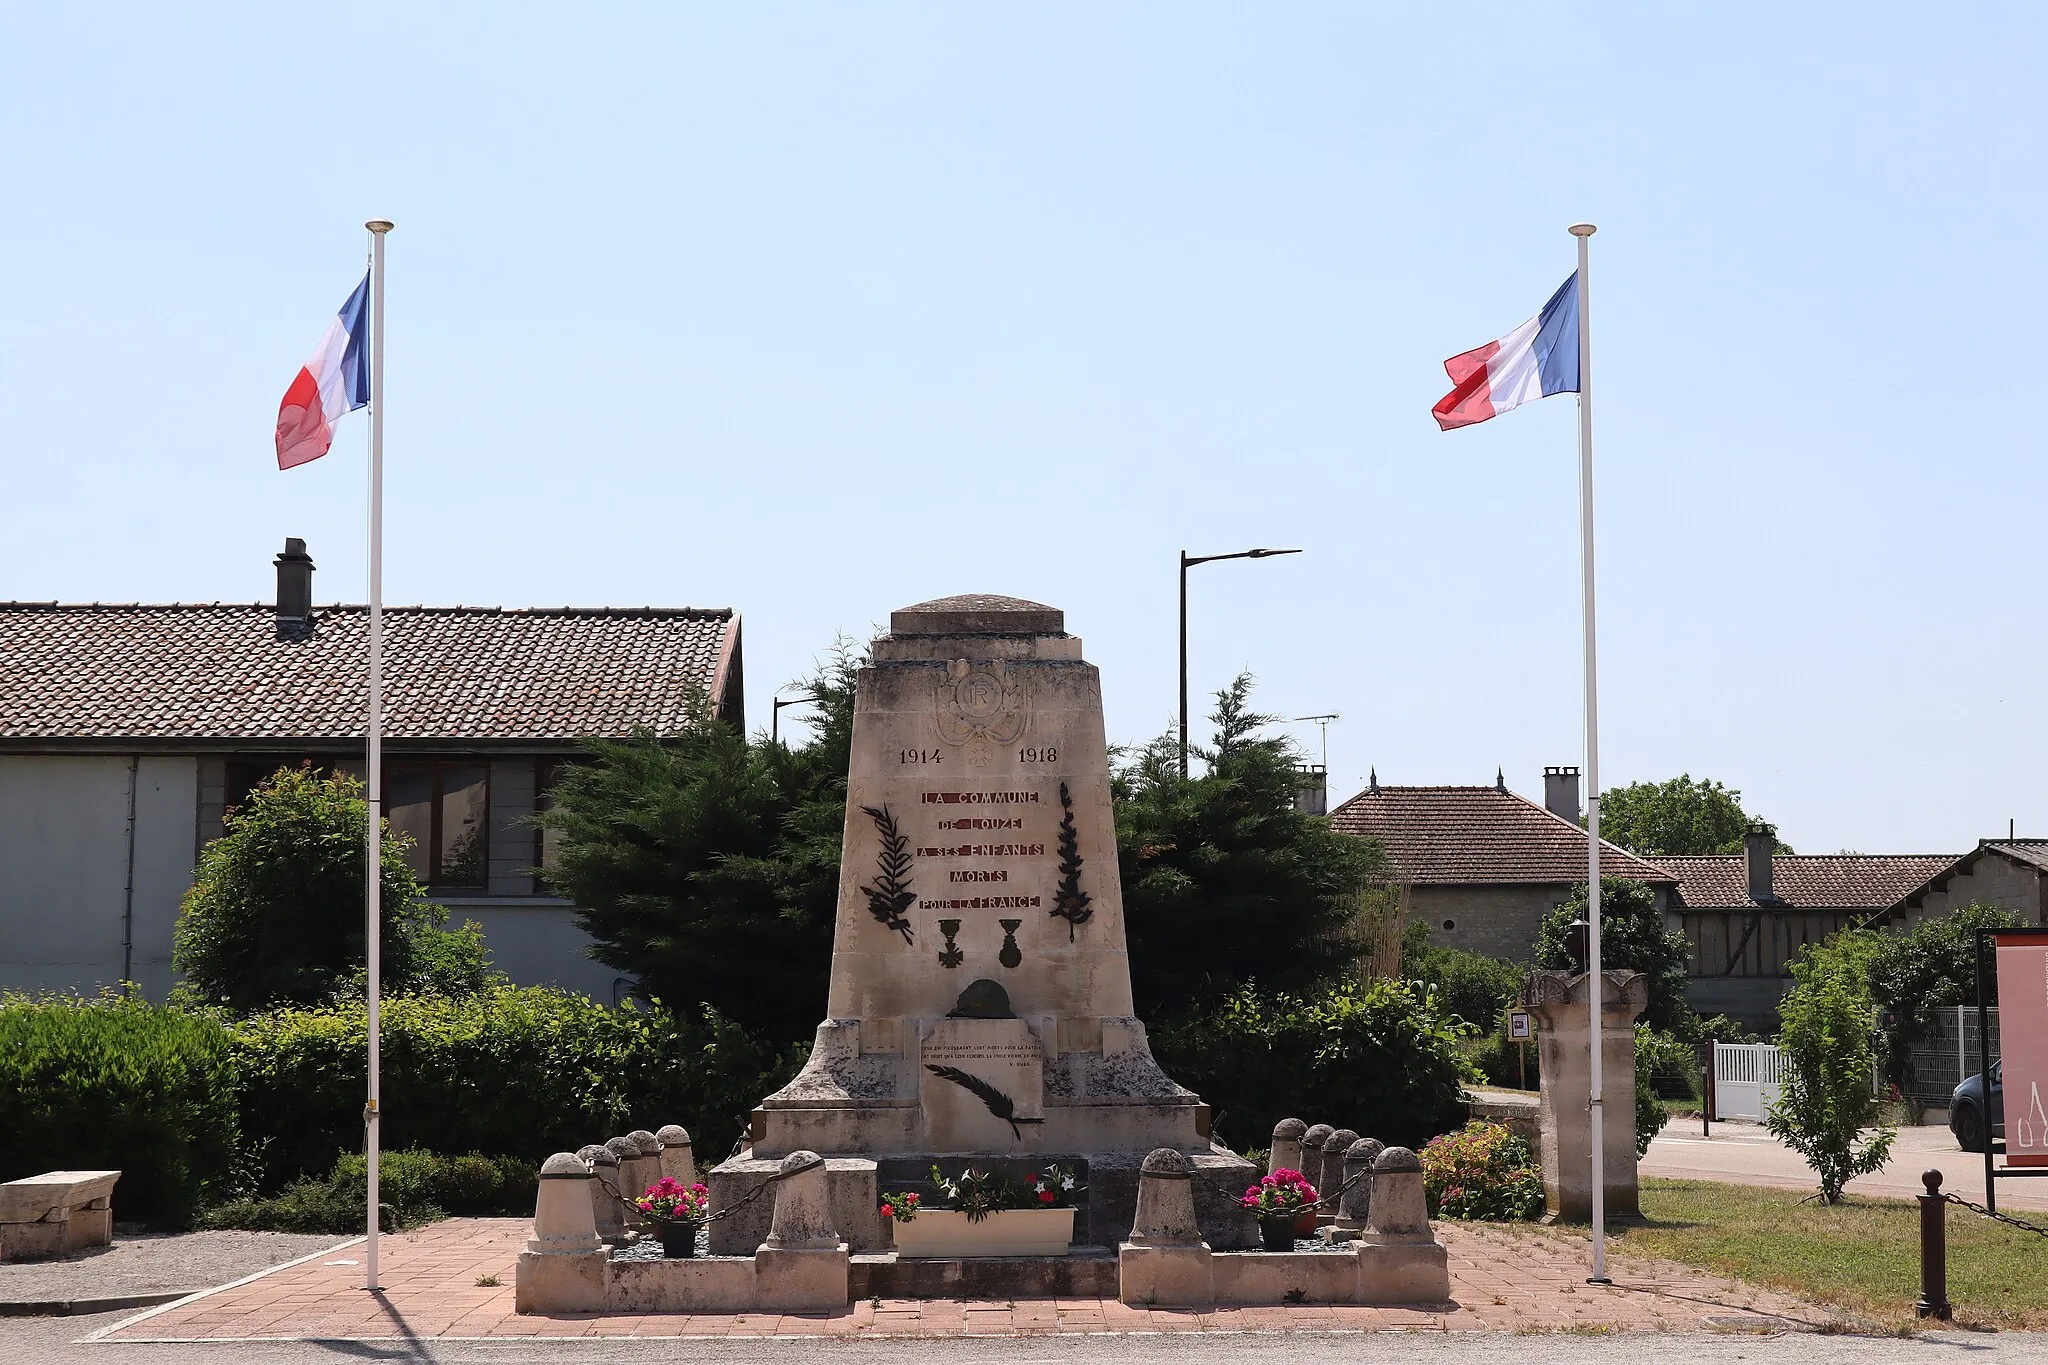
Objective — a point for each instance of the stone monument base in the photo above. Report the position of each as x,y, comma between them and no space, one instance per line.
855,1184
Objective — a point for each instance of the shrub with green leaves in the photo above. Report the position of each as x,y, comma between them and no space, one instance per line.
275,913
1826,1111
1376,1056
118,1084
1483,1172
1476,988
1915,975
1632,937
520,1070
417,1187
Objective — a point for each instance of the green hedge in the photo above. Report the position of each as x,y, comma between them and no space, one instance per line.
1376,1057
523,1071
415,1186
114,1084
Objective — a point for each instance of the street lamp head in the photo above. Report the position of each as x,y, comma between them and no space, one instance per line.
1582,229
1262,554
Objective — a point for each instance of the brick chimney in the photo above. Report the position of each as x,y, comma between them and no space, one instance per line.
1759,845
294,590
1561,793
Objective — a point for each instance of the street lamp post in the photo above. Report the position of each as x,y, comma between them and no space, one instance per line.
775,705
1188,561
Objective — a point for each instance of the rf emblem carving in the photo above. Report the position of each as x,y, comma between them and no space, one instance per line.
981,707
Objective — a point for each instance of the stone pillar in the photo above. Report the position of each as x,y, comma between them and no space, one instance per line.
562,1268
650,1158
1165,1261
678,1160
1312,1152
802,1267
1355,1204
1560,1002
605,1205
1334,1148
1287,1134
1399,1258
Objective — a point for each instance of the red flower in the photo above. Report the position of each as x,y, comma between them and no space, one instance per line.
1045,1196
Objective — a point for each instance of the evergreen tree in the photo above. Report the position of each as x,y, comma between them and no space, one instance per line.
1224,880
275,913
707,865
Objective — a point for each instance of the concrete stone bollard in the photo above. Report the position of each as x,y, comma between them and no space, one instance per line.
802,1267
605,1205
1286,1152
650,1159
626,1152
1312,1152
1354,1206
678,1159
1334,1148
1165,1261
1400,1209
1399,1258
562,1268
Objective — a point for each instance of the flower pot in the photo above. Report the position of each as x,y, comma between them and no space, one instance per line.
1013,1232
1305,1222
678,1239
1276,1230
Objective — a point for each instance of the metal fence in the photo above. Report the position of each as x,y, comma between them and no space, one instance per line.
1949,1053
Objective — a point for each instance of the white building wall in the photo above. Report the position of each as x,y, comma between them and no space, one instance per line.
166,804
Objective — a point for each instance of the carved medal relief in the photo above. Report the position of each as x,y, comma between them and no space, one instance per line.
981,709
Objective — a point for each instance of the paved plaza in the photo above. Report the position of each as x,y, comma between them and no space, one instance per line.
1502,1281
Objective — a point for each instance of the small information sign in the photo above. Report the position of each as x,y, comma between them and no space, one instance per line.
1521,1025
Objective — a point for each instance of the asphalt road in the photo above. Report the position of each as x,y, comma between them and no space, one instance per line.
1743,1153
55,1341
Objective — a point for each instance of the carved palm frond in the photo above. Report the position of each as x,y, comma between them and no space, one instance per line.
890,894
1070,902
997,1103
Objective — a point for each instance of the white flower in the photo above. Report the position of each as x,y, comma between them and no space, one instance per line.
1066,1182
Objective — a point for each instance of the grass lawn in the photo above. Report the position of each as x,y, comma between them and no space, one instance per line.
1862,1255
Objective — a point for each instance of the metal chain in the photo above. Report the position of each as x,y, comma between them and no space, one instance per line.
1990,1213
1329,1201
749,1197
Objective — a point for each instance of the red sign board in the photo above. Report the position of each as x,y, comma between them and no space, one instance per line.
2023,1043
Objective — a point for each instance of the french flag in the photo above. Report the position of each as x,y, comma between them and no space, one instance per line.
1537,359
334,382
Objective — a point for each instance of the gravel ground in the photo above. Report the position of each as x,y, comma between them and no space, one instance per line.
155,1262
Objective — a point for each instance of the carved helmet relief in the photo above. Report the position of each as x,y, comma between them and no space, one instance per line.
981,705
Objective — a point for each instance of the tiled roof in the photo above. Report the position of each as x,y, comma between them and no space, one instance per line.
220,672
1861,882
1479,834
2031,853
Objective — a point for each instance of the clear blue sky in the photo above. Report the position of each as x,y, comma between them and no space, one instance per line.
819,310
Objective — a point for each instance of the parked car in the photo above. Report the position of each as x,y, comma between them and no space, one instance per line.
1966,1110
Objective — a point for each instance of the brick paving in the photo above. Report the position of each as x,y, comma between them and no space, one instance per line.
1502,1280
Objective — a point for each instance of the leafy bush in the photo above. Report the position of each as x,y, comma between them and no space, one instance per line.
1495,1056
118,1084
1670,1064
1829,1047
1651,1115
275,913
521,1070
1482,1172
1476,988
1913,975
416,1186
1375,1056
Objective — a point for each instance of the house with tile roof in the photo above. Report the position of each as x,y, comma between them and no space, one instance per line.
127,731
2009,872
1483,866
1746,915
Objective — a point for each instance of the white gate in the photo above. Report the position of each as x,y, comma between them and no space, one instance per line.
1746,1080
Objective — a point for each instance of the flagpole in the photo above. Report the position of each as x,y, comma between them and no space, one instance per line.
1596,986
374,870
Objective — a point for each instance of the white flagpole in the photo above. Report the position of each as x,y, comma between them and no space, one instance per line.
374,871
1596,987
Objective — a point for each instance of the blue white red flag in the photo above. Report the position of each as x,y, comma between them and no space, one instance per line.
334,382
1537,359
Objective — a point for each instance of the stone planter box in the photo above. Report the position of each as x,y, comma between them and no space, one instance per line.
1013,1232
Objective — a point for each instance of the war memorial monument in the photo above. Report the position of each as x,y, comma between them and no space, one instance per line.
979,1009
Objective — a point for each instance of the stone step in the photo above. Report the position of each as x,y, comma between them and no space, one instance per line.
1085,1272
